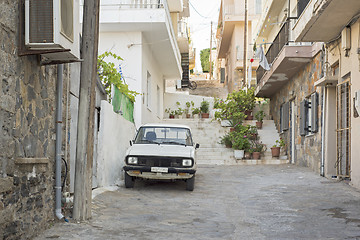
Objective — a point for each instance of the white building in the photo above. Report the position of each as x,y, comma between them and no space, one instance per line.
146,35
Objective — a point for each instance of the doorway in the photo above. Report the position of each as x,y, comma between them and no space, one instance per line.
343,127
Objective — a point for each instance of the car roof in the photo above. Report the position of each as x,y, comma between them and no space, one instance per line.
165,125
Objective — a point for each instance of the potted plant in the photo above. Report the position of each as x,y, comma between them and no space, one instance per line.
240,142
196,112
226,140
170,112
259,116
275,150
204,109
187,109
258,148
252,132
179,112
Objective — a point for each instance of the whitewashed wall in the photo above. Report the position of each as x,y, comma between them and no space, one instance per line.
170,100
113,140
120,44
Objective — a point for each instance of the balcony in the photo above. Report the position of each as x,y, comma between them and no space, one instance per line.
323,20
152,19
183,36
287,59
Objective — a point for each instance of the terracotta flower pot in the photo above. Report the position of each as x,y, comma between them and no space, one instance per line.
171,116
259,125
205,115
256,155
275,151
247,155
188,115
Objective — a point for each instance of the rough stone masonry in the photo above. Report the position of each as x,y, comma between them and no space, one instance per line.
27,134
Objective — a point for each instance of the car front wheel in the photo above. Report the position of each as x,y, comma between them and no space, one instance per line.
190,183
129,181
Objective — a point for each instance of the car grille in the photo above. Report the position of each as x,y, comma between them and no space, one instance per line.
160,161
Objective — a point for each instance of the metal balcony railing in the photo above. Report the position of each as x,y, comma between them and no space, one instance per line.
301,5
277,45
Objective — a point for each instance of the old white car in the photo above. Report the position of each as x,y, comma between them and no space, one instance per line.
161,152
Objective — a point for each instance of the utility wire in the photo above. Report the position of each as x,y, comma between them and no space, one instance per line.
197,11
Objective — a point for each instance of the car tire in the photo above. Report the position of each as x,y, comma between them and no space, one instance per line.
190,183
129,181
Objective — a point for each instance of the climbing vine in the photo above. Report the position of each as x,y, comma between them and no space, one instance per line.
109,76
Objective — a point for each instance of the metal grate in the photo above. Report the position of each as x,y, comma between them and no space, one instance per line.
343,126
160,161
41,21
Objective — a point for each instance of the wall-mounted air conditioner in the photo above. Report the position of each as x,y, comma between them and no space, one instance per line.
53,25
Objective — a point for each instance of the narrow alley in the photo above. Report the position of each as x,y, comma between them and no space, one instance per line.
229,202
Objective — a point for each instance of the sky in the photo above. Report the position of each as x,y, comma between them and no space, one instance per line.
202,12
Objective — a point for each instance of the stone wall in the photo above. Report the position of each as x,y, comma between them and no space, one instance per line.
27,135
307,148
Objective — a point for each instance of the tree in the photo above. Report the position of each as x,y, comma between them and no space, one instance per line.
204,58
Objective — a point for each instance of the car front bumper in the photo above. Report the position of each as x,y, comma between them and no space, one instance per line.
148,173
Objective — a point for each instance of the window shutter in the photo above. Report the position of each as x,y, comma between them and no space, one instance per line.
303,125
285,116
314,112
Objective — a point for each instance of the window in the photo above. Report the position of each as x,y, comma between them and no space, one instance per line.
258,7
148,88
284,117
309,115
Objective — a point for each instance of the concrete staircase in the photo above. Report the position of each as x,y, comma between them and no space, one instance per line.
208,133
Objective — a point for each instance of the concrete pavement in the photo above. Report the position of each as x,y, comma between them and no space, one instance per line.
229,202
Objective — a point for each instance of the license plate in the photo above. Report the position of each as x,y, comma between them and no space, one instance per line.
159,169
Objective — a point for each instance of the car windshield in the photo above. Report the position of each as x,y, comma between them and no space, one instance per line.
164,135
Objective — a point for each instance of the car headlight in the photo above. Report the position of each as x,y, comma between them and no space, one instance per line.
132,160
186,162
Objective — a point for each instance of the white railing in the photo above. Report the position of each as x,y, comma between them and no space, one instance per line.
131,4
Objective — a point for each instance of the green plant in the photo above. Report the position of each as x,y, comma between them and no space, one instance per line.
195,111
279,143
204,106
170,112
179,112
188,105
217,103
226,140
109,76
259,116
235,106
258,147
239,141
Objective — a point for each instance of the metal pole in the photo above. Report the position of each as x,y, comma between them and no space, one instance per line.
245,46
211,33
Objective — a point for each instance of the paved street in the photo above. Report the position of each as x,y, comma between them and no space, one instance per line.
229,202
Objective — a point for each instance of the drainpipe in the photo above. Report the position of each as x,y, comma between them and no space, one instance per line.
322,167
58,142
322,170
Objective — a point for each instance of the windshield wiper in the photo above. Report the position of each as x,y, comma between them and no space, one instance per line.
172,142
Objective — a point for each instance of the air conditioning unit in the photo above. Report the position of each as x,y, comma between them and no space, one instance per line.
53,26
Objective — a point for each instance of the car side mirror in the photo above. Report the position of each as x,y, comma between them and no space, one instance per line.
197,146
131,142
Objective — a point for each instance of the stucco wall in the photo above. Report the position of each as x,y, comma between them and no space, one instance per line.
128,46
113,140
153,112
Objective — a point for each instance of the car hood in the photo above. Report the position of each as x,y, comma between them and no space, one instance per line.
161,150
